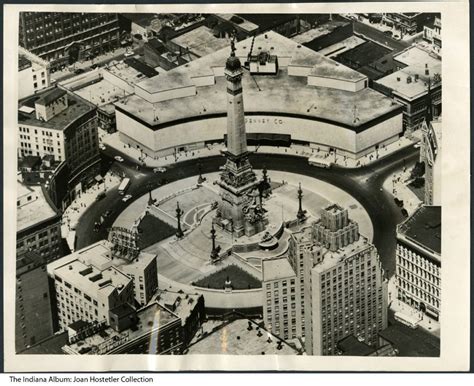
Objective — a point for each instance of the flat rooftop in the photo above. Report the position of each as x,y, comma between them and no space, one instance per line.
201,41
265,93
152,317
268,94
99,255
23,62
417,61
243,23
181,304
125,72
320,30
275,269
235,339
330,259
102,93
77,107
424,228
35,211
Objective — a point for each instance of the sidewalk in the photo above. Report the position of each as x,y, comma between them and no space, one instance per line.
113,141
77,208
424,321
397,184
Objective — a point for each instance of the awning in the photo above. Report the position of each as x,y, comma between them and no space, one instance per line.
431,312
98,178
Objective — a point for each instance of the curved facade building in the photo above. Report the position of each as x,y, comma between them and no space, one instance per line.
308,100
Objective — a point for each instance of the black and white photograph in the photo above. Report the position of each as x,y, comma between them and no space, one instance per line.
229,184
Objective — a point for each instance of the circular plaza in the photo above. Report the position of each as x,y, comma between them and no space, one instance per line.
184,263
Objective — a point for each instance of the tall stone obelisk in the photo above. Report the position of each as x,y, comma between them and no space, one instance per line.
239,211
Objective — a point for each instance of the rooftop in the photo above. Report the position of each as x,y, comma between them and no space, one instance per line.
351,346
267,21
234,338
417,61
50,96
125,72
275,269
330,259
267,93
23,62
92,280
180,304
50,345
138,65
77,107
102,94
241,22
152,317
201,41
98,255
320,30
424,228
35,211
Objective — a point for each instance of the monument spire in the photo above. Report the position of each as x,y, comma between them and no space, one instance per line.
236,214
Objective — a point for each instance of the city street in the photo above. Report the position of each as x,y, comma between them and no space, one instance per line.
379,37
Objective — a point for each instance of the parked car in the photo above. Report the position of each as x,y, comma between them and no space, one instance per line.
159,170
127,197
118,158
102,146
79,71
128,54
417,145
100,196
388,33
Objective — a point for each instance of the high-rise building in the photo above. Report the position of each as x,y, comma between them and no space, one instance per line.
281,303
240,210
33,73
345,291
62,38
62,126
143,271
33,316
430,155
418,270
38,224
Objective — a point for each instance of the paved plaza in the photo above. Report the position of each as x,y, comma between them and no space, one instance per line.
187,260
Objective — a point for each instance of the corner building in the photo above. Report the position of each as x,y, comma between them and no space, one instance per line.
345,291
418,270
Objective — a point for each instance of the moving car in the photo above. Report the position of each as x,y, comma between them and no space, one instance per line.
118,158
127,197
159,170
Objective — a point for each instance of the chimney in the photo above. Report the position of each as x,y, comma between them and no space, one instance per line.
398,79
427,71
409,79
416,77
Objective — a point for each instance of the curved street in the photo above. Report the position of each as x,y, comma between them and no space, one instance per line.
364,184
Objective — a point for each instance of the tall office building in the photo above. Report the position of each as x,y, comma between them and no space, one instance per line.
62,38
33,316
345,291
